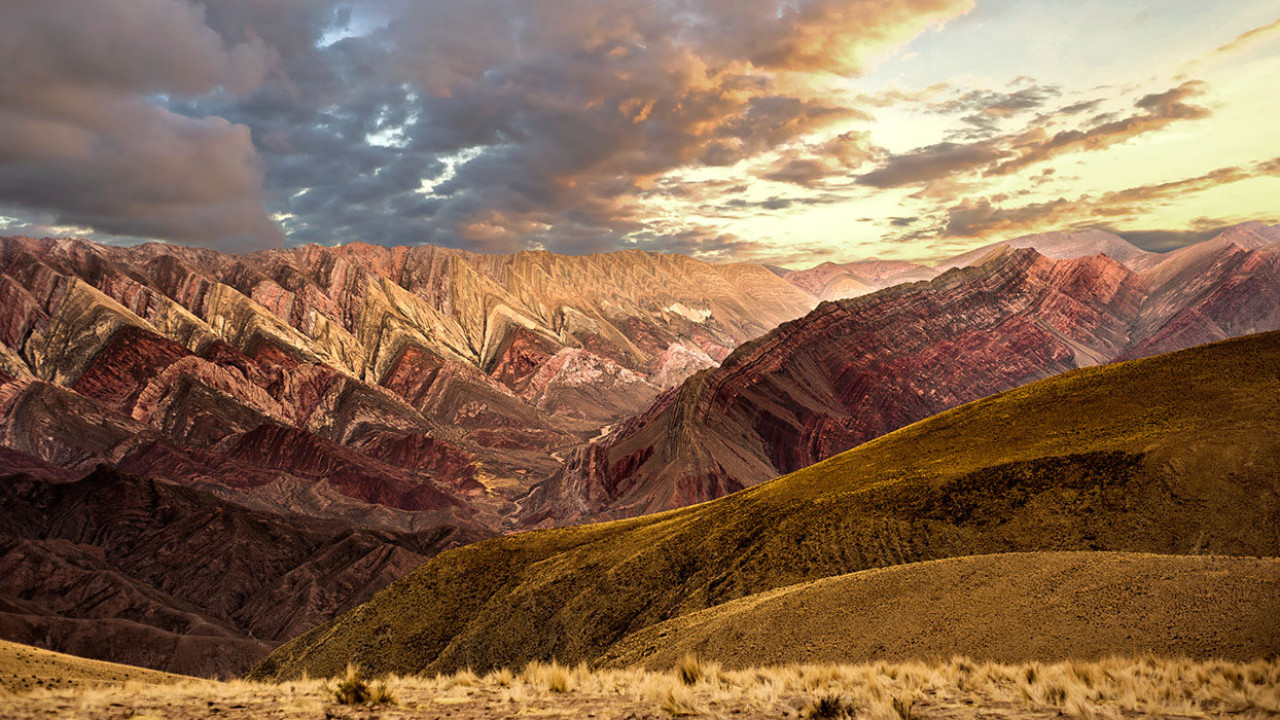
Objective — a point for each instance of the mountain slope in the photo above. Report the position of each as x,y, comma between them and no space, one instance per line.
487,364
855,369
1012,607
1061,246
159,575
1174,454
846,373
24,668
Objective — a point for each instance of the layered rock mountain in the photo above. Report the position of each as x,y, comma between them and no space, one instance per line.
406,378
856,369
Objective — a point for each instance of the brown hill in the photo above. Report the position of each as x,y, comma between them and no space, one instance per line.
169,577
24,668
1014,607
1173,455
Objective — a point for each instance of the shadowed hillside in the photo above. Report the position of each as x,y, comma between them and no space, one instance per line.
1174,454
142,571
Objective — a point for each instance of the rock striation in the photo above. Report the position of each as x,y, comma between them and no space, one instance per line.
856,369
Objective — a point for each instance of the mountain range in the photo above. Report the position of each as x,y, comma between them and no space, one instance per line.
855,369
284,433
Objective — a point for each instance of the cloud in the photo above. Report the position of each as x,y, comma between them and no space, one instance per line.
511,125
988,216
1158,111
934,162
943,163
1241,44
83,138
812,165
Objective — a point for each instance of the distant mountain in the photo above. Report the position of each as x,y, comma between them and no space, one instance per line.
1064,245
1174,455
832,281
855,369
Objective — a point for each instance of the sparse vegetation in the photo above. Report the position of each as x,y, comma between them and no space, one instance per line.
354,688
830,706
961,689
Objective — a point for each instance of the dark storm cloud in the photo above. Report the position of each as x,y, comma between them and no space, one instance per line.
488,124
82,140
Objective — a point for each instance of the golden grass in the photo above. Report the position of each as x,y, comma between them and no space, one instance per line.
1110,689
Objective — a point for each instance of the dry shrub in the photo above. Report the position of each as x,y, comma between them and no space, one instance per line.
502,678
355,689
553,677
672,695
904,707
690,670
829,707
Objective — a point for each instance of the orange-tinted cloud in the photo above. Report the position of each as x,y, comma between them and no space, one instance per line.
986,217
942,166
1241,44
1158,111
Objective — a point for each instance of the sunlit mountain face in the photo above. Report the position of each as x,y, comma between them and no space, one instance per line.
785,132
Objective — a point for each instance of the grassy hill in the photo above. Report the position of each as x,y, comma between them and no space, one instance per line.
1175,454
24,668
1008,608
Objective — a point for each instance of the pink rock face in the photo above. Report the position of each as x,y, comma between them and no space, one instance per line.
853,370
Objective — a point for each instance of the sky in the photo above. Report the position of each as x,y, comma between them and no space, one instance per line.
789,132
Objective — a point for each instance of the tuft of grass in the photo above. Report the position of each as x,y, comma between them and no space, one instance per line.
690,669
905,707
554,676
829,707
355,689
677,703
